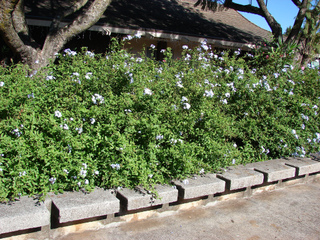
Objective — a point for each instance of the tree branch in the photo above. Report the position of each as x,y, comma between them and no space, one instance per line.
273,24
293,35
77,5
18,18
297,2
7,30
83,21
243,8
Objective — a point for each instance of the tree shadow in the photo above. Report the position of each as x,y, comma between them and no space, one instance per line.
167,15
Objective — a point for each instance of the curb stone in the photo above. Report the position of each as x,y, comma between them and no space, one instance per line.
200,186
72,207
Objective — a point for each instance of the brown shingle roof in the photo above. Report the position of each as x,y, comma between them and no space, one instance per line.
173,16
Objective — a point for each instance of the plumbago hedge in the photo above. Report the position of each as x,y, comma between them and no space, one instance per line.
116,120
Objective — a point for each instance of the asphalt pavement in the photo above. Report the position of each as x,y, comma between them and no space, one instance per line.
292,212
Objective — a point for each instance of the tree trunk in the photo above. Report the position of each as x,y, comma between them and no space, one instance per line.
14,30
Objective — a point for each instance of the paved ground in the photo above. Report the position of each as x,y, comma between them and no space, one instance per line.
289,213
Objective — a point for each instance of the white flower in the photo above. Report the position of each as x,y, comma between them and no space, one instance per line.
16,132
83,172
64,126
315,107
304,117
227,95
233,161
96,172
88,75
97,98
292,82
208,93
147,91
224,101
235,145
185,47
22,173
52,180
201,171
186,106
152,46
184,99
173,141
58,114
159,137
80,130
86,181
179,84
137,35
127,111
66,171
69,52
276,75
303,126
1,84
293,131
237,52
188,57
90,54
204,46
31,95
115,166
162,50
79,184
92,120
186,181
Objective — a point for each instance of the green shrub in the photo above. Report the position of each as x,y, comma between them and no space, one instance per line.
117,120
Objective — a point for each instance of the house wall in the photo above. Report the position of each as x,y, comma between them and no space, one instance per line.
137,45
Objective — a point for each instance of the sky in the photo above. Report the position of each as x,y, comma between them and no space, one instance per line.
284,11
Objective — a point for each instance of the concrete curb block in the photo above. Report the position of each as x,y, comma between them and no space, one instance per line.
75,206
241,177
200,186
72,207
140,198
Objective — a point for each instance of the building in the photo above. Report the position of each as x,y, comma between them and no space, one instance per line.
163,23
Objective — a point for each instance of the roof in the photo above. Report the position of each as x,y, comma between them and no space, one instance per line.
168,16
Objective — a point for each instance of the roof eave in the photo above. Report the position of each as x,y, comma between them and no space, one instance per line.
153,33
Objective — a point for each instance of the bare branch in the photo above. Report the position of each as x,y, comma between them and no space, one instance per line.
85,20
243,8
7,30
297,2
75,7
273,24
18,18
298,22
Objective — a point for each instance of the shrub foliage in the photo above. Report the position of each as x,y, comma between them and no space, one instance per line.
118,120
